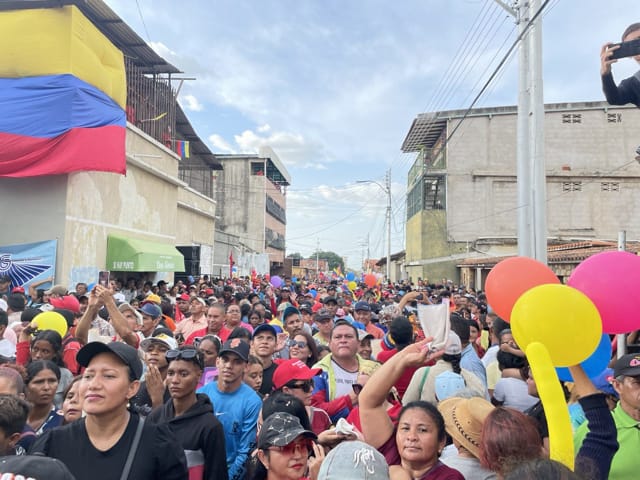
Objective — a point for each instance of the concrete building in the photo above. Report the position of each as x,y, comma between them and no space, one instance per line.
252,206
127,224
462,193
397,272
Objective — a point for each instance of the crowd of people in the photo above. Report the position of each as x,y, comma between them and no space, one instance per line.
238,379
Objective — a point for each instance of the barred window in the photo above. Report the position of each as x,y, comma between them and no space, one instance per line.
614,118
571,118
571,186
609,187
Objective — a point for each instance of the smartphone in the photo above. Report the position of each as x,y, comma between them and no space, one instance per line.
626,49
103,279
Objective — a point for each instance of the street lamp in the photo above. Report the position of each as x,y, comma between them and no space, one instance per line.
386,188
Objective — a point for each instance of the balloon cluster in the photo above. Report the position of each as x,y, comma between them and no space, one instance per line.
564,325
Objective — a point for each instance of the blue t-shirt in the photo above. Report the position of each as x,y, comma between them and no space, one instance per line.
238,412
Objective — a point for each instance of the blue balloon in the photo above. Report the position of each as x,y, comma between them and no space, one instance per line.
91,286
351,276
294,279
595,364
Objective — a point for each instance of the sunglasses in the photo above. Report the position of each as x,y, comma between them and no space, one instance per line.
290,449
189,354
306,387
300,344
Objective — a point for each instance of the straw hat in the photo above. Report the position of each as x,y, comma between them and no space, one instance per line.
463,419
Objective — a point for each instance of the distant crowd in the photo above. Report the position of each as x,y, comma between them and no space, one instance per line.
235,378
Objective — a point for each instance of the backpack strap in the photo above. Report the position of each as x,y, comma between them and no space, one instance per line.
133,450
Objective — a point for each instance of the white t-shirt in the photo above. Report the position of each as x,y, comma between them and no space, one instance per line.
513,393
344,379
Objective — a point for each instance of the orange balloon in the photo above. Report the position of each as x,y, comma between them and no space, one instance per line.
370,280
512,277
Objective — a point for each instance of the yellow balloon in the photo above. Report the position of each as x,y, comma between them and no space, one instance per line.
352,285
555,406
560,317
51,321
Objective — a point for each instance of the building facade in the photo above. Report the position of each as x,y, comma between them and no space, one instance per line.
462,193
127,224
251,206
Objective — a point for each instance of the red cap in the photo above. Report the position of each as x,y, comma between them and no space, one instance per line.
68,302
184,297
17,290
209,291
293,369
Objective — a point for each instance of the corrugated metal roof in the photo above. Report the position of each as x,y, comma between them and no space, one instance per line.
111,25
574,252
196,145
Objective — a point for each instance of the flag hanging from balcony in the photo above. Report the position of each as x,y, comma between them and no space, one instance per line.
182,148
62,95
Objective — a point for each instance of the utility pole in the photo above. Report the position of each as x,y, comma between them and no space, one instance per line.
386,188
531,174
388,191
318,260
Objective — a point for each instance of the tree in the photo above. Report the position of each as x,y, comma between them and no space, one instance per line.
295,255
333,259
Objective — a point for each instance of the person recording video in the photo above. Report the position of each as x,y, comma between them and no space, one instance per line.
629,89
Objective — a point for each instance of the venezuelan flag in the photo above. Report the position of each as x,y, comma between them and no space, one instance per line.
182,148
62,95
58,124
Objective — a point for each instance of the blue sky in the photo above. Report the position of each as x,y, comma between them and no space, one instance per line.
333,86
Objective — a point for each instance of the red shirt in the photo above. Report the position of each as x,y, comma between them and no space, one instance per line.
223,334
405,379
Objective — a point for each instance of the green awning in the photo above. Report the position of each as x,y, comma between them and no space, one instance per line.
126,254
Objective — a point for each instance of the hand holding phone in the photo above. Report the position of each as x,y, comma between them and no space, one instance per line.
625,49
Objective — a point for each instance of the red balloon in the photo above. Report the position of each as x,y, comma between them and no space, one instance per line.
370,280
510,278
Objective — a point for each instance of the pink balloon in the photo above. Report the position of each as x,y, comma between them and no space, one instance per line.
611,280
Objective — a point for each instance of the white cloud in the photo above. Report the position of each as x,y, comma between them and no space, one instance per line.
292,148
220,144
164,51
190,102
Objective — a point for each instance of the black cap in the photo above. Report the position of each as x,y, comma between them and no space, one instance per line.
126,353
330,299
627,365
236,346
280,429
35,466
362,306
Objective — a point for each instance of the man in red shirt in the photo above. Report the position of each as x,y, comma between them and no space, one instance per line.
215,325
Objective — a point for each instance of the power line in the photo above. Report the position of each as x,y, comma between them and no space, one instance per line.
144,25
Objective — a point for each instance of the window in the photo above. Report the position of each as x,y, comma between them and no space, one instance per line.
571,118
571,186
614,118
257,168
434,193
415,199
609,187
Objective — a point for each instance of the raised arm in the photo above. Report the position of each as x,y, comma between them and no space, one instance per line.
118,321
84,324
600,444
376,424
